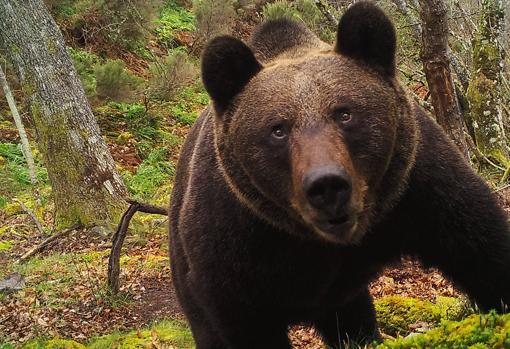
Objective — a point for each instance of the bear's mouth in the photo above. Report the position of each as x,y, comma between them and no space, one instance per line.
338,221
339,230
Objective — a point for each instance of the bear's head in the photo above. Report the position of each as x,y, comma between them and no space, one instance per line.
316,140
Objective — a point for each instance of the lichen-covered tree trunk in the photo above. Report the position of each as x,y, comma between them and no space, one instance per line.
436,64
87,188
484,92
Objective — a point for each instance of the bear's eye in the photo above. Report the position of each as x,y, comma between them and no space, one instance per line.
279,132
343,115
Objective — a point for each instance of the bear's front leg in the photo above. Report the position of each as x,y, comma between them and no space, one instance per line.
252,332
234,326
354,322
453,221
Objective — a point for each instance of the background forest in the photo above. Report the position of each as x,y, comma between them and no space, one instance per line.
138,64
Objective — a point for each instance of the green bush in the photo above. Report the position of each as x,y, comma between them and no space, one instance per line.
84,62
115,82
168,74
213,17
302,10
279,9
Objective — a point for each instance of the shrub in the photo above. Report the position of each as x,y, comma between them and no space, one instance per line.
115,82
213,17
302,10
279,9
168,74
84,62
126,23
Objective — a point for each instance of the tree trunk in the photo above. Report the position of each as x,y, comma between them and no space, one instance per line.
87,188
436,64
484,91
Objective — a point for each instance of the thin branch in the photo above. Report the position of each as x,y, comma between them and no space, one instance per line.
32,215
45,244
120,235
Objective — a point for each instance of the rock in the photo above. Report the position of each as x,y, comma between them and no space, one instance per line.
12,283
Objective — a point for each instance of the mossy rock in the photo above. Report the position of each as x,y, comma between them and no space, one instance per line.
395,314
475,332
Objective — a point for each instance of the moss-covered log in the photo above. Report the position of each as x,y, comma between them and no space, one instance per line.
87,188
484,91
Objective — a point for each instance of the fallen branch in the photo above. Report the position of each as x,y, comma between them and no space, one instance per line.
120,235
32,215
45,243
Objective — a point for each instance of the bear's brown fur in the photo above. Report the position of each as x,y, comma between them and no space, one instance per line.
310,172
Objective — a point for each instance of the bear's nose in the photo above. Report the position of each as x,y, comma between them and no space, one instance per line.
328,188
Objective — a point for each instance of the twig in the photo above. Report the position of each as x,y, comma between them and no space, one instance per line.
32,215
326,13
120,235
45,243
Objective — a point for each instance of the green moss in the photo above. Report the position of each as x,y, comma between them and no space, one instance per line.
53,344
6,245
395,313
164,334
476,331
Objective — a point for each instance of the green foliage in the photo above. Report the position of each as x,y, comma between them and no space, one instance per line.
173,18
476,331
115,82
189,103
84,62
302,10
6,345
395,313
14,175
170,73
152,176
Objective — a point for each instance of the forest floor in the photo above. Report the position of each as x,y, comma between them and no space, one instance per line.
65,294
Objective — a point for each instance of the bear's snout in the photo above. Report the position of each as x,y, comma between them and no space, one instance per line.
328,189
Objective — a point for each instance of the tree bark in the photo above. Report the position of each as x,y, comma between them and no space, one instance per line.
436,64
87,188
484,91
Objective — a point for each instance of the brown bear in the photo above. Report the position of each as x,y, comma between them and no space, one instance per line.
310,172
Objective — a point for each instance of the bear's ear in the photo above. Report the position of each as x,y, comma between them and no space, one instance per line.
227,66
365,33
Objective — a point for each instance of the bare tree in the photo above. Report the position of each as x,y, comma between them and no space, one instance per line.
87,188
436,65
